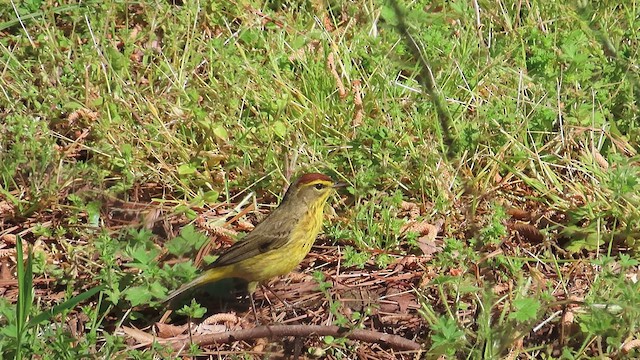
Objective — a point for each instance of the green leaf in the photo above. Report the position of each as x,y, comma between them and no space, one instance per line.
25,286
73,105
389,15
627,261
137,295
25,295
190,214
178,246
67,305
280,129
143,257
525,309
221,133
157,290
9,330
186,169
93,212
188,241
211,196
193,310
446,336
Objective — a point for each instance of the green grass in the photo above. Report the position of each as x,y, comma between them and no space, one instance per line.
127,127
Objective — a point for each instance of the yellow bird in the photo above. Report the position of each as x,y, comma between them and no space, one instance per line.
279,243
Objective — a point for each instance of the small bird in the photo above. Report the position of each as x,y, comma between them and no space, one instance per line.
279,243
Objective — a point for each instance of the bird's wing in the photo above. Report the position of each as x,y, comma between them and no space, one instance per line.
267,236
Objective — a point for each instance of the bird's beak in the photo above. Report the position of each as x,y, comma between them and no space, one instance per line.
338,185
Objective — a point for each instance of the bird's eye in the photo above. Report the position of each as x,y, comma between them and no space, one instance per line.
319,186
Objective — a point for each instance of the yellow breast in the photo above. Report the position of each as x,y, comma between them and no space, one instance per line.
283,260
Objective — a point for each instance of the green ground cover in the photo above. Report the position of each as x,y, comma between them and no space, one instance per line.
491,150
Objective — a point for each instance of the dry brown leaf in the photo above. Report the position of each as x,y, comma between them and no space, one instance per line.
402,298
600,159
566,326
519,214
428,245
538,277
409,262
427,240
500,288
328,23
6,209
331,65
136,56
261,343
455,272
83,113
516,348
8,238
528,232
5,271
139,336
412,208
168,330
357,299
567,318
150,217
422,228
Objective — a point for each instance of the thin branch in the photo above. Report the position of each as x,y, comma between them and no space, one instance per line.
393,341
476,7
427,81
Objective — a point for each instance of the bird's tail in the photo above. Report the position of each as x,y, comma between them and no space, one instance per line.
209,276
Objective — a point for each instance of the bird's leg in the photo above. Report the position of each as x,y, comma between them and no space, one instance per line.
251,288
286,304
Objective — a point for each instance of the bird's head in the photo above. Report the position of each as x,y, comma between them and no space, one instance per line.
312,189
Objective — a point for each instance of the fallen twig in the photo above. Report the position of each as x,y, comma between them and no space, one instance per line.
393,341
